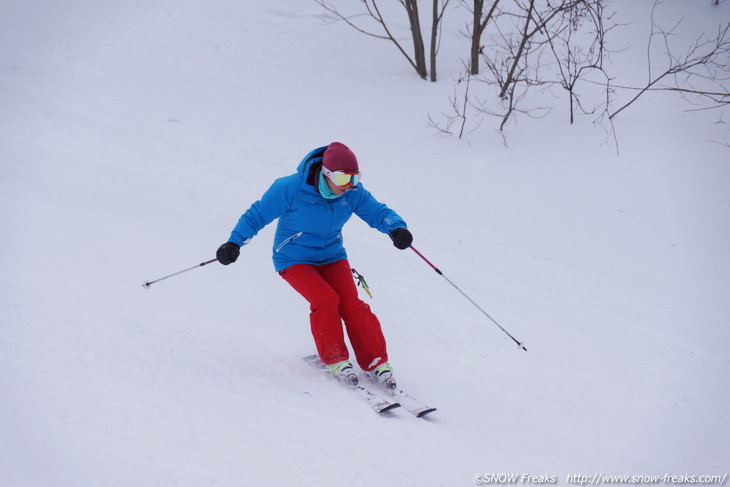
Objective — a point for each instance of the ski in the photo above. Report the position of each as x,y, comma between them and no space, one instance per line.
377,403
414,406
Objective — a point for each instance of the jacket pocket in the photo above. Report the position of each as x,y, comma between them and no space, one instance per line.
288,240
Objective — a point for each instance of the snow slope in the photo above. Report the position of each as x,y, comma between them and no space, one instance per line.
133,135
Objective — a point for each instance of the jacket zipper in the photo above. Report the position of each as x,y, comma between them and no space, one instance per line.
288,240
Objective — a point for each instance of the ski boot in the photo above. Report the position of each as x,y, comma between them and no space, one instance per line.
382,375
344,372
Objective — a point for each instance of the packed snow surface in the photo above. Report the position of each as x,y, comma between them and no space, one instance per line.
134,134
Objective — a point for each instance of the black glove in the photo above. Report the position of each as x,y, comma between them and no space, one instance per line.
228,253
401,237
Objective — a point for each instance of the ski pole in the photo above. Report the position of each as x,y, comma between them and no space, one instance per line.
519,344
147,284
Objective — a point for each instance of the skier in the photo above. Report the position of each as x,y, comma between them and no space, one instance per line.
312,206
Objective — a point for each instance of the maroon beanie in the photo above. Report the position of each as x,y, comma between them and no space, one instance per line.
338,157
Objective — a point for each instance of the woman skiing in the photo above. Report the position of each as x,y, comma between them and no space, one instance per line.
312,206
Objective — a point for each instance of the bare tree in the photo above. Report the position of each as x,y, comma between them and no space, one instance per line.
459,108
439,7
479,24
419,49
523,75
514,58
579,51
705,62
418,59
534,23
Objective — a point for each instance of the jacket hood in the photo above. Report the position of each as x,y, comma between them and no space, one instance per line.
314,157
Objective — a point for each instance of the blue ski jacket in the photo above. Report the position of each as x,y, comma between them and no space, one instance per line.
309,230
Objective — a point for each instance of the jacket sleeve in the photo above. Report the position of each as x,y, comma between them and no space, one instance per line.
275,201
377,214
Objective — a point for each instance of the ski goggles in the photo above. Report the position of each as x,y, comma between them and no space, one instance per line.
342,178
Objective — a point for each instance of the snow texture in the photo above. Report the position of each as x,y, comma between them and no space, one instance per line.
134,134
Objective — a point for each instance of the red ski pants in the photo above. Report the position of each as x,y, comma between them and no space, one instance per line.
333,298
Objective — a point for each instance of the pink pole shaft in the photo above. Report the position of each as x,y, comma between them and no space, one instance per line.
426,260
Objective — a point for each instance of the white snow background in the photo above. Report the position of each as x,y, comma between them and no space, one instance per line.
134,134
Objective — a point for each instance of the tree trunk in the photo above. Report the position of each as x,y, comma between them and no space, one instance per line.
476,36
477,31
525,38
419,50
434,38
